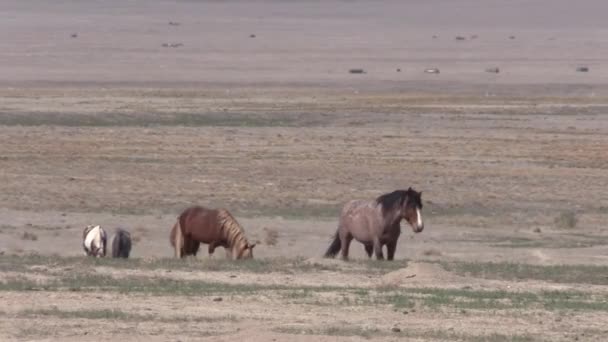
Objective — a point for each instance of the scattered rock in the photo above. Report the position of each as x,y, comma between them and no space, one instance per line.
405,312
435,36
252,36
511,37
217,299
398,70
232,276
431,252
74,35
582,69
473,36
172,45
460,38
395,329
356,71
432,71
494,70
537,230
174,23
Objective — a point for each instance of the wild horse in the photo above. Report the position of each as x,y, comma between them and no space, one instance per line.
377,223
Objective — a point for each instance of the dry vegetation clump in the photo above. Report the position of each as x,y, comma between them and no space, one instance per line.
272,237
29,236
431,252
566,220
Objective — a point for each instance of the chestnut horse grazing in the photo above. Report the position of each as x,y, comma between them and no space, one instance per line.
94,241
377,223
215,227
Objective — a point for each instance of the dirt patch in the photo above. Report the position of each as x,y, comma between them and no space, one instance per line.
420,273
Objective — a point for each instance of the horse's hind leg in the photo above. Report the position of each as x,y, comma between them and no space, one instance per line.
378,249
369,249
345,240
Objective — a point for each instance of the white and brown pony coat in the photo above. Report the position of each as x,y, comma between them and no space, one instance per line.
94,241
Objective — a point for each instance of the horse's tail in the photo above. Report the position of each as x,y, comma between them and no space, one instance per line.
177,238
334,248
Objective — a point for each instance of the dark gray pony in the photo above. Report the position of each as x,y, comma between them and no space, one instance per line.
121,244
377,223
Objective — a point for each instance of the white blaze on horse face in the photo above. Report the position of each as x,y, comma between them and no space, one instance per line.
419,215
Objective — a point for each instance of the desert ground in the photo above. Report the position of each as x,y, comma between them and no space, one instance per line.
124,113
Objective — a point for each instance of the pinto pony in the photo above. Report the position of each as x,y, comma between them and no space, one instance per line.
215,227
94,241
121,244
377,223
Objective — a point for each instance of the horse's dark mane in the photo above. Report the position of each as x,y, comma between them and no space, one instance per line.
397,197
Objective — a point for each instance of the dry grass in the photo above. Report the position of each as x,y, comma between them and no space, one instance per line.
566,220
271,237
29,236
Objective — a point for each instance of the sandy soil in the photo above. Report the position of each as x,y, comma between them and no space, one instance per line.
110,127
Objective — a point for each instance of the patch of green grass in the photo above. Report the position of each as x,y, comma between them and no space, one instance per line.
417,334
150,285
218,119
86,314
432,298
113,314
437,298
279,265
581,274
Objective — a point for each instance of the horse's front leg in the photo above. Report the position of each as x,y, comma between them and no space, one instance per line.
391,247
211,248
229,253
378,249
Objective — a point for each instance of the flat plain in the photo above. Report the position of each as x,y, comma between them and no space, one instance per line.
103,122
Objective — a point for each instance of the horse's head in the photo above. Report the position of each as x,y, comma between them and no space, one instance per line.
99,251
246,252
411,210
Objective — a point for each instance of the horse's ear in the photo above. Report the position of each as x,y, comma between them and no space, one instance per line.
251,246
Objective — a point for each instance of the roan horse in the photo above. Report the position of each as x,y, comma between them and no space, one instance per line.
121,244
94,241
377,223
215,227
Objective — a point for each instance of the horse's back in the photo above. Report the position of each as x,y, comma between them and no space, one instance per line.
121,244
201,224
360,218
354,207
